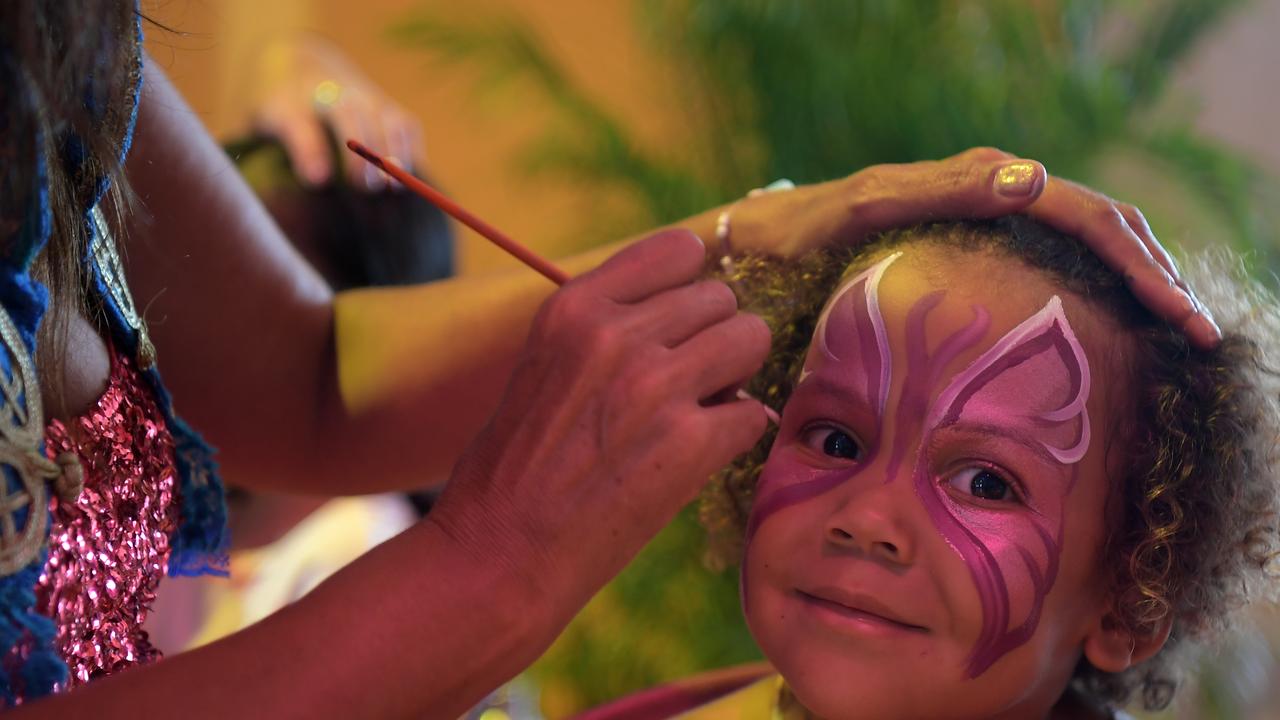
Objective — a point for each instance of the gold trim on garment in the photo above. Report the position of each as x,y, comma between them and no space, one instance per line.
107,258
21,432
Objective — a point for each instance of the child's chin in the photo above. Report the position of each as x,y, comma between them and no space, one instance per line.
843,690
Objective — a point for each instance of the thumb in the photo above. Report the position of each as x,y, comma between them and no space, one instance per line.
980,183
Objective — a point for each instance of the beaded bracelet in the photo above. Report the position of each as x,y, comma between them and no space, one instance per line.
722,222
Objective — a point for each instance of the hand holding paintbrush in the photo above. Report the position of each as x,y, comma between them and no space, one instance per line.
497,237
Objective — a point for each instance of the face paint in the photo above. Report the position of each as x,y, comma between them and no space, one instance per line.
858,355
1033,383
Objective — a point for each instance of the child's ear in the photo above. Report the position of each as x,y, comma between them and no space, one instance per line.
1112,647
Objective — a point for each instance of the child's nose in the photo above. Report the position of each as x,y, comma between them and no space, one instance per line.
868,521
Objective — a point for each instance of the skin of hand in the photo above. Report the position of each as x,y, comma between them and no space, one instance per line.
978,183
381,389
606,428
604,432
299,84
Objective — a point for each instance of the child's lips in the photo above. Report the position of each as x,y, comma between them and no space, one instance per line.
861,609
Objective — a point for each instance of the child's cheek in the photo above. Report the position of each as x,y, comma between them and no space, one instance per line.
1025,549
786,480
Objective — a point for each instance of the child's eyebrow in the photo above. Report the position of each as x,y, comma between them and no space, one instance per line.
1004,432
826,386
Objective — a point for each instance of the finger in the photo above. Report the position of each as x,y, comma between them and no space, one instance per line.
673,316
724,355
664,260
404,140
1138,224
1200,329
351,118
733,428
970,185
304,142
1095,221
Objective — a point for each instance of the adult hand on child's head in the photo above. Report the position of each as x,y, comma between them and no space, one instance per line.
303,87
978,183
607,426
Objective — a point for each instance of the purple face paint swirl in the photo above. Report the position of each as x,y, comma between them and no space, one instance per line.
851,342
1031,385
1034,381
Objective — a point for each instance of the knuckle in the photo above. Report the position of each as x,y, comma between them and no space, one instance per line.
1133,215
983,153
952,176
561,310
686,427
641,389
719,297
1108,215
872,189
602,339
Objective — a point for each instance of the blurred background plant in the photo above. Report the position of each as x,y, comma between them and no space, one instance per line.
815,90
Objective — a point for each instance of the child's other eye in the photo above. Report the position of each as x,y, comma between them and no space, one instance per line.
832,441
984,483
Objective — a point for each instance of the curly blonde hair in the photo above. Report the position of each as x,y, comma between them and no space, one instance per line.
1197,504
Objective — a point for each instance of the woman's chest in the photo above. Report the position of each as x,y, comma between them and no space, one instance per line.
70,385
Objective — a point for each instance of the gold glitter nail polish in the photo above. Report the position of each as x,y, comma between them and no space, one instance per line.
1017,179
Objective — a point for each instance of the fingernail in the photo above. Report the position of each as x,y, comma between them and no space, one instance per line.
1016,179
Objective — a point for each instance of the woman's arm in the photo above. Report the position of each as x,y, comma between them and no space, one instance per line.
583,461
382,388
415,628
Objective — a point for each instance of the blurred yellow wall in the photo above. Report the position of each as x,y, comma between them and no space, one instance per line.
472,144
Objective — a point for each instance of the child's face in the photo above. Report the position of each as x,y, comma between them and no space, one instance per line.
925,535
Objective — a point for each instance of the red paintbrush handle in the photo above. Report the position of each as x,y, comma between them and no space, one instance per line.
435,197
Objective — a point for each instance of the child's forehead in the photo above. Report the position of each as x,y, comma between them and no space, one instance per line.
967,280
965,283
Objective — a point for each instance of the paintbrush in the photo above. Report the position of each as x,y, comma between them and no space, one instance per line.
489,232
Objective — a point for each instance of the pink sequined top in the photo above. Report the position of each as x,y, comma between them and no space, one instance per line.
109,549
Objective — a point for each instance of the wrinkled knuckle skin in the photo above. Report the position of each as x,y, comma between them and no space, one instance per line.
1108,216
984,153
639,388
719,298
961,176
561,310
871,190
602,341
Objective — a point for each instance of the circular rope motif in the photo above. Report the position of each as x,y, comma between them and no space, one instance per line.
26,469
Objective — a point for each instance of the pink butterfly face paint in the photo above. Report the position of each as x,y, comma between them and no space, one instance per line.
851,346
1021,399
1029,388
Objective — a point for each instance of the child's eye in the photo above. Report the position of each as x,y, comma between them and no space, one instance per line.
984,483
832,441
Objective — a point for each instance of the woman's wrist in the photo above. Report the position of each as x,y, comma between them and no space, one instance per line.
522,592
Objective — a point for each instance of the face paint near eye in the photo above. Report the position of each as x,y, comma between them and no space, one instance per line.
1048,400
864,360
859,354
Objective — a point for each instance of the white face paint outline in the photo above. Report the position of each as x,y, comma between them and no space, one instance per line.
871,292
